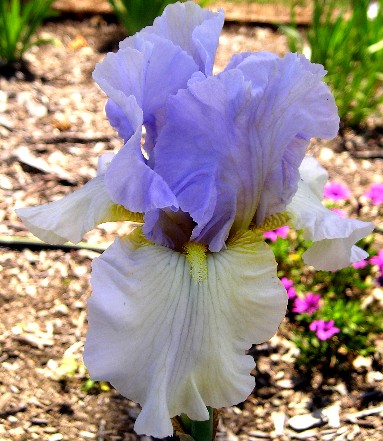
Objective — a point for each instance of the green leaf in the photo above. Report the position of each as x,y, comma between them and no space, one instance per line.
19,21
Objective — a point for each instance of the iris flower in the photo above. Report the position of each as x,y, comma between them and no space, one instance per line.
178,302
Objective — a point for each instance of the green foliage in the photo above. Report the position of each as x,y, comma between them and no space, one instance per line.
346,299
358,326
350,46
94,387
136,14
274,2
19,21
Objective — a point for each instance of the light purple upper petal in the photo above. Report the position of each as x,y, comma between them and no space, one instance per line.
129,180
294,105
204,154
190,27
151,71
232,144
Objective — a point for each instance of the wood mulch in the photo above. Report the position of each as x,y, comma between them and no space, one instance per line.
52,129
242,12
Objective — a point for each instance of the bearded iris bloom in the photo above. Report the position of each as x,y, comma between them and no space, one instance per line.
178,302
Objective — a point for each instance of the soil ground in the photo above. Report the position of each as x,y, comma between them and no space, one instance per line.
52,129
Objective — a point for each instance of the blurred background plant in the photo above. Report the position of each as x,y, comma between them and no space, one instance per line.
136,14
347,38
19,22
333,317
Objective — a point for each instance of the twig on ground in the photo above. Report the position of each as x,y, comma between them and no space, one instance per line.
352,417
367,155
69,138
31,242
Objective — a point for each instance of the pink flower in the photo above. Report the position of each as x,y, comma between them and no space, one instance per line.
361,264
324,330
308,304
336,191
339,212
378,260
375,193
289,286
279,232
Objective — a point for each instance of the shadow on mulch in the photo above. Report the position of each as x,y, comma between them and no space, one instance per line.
108,37
110,44
19,70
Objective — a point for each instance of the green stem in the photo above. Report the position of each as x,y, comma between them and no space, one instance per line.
199,430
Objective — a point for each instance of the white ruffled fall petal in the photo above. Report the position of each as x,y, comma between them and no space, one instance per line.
171,344
69,218
314,175
334,237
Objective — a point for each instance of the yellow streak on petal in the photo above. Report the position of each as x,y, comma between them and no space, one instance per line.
196,257
138,238
274,221
118,213
244,240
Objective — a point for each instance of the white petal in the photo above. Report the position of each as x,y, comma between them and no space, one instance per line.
334,237
104,161
174,345
70,217
314,175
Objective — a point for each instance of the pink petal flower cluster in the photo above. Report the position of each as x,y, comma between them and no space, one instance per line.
336,192
375,193
361,264
324,329
289,286
378,260
308,304
279,232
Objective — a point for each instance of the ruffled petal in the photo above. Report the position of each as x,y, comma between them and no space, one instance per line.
192,28
334,237
175,345
69,218
205,156
265,110
129,179
294,105
314,175
151,70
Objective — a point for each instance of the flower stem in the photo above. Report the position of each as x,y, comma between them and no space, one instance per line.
199,430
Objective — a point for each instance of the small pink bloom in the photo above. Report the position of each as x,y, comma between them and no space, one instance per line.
361,264
324,330
279,232
378,260
339,212
375,193
291,293
289,286
308,304
287,283
336,191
